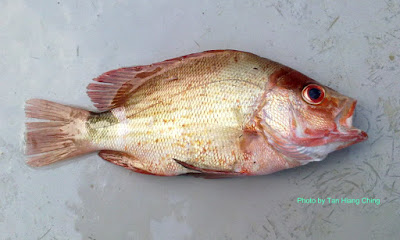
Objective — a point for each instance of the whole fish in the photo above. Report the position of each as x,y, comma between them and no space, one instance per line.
216,113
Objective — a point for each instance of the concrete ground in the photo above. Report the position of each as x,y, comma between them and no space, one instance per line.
52,50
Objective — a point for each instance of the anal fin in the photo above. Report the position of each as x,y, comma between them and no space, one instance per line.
122,159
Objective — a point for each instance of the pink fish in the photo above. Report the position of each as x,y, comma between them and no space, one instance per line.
216,113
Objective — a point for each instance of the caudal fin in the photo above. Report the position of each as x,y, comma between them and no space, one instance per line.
62,136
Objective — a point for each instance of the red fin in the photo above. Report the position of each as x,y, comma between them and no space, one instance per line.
114,87
207,173
122,159
58,138
212,176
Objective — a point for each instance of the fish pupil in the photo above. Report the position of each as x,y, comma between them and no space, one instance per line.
314,93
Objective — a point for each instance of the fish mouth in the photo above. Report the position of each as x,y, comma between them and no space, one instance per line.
346,132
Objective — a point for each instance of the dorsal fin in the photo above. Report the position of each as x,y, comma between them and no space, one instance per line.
114,87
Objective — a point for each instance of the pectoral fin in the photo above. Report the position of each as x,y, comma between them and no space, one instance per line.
207,173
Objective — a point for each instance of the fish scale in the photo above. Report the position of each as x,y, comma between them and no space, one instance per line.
214,126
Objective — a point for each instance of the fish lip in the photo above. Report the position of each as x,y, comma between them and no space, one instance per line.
345,130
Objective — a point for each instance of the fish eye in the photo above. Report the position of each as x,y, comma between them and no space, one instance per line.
313,94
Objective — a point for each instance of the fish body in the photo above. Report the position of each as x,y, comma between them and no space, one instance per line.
215,113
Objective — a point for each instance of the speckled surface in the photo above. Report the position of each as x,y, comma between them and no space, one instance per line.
52,50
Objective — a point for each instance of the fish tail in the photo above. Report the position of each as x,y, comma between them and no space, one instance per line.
63,134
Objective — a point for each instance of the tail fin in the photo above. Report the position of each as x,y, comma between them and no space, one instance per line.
62,136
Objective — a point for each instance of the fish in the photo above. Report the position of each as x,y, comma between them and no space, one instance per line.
218,113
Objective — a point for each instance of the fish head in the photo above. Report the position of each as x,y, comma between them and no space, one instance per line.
306,120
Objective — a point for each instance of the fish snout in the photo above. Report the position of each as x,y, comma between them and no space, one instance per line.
346,132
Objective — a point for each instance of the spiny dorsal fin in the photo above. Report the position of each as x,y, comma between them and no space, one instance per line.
114,87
